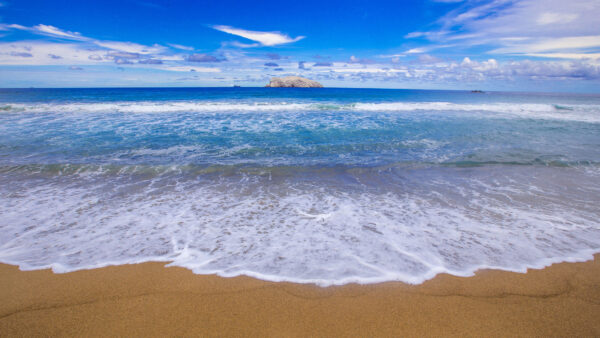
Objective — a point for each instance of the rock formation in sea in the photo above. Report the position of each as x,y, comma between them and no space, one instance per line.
293,81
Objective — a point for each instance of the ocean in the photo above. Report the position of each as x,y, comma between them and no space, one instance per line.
327,186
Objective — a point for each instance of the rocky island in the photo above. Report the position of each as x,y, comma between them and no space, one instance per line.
293,82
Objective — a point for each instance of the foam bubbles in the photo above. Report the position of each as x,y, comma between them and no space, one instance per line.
581,112
303,191
308,226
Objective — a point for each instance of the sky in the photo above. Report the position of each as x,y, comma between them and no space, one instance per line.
526,45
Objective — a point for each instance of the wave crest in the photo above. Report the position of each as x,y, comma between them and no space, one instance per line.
582,113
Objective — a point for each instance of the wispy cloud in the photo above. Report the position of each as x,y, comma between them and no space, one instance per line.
263,38
46,30
566,55
240,44
130,47
569,27
122,46
56,32
354,59
191,69
548,18
39,51
551,45
417,50
182,47
78,50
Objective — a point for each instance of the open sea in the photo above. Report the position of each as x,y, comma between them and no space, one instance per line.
326,186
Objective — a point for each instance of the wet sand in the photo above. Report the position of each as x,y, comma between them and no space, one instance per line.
151,300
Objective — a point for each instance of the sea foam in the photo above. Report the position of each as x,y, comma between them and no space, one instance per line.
580,112
328,189
305,226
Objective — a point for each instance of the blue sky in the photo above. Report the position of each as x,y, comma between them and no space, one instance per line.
531,45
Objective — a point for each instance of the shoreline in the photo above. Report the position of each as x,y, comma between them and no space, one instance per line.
583,257
150,299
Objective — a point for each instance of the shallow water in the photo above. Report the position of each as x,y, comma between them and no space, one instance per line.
321,185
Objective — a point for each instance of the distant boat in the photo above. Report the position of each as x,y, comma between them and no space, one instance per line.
236,86
477,91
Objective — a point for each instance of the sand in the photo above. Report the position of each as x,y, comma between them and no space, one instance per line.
151,300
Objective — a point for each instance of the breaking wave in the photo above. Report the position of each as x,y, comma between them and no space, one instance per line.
582,113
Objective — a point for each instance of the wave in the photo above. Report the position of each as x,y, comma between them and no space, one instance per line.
582,113
327,229
254,169
311,192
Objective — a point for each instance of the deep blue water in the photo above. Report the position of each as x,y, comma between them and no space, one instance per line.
310,185
344,95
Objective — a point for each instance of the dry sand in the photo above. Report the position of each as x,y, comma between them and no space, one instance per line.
151,300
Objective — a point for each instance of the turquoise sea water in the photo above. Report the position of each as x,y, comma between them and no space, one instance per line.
308,185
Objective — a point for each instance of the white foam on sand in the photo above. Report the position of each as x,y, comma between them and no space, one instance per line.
296,230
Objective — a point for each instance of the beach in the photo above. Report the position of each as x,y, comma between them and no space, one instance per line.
298,212
150,300
300,169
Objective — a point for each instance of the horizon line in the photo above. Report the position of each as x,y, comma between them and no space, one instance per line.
323,88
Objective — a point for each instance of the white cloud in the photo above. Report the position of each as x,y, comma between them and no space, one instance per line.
480,66
548,45
65,53
182,47
468,71
264,38
428,59
56,32
6,27
391,55
415,35
566,55
56,53
416,50
46,30
130,47
365,70
521,27
242,45
191,69
566,43
78,51
547,18
524,69
541,18
171,57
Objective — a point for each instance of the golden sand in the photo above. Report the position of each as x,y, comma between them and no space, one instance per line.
151,300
